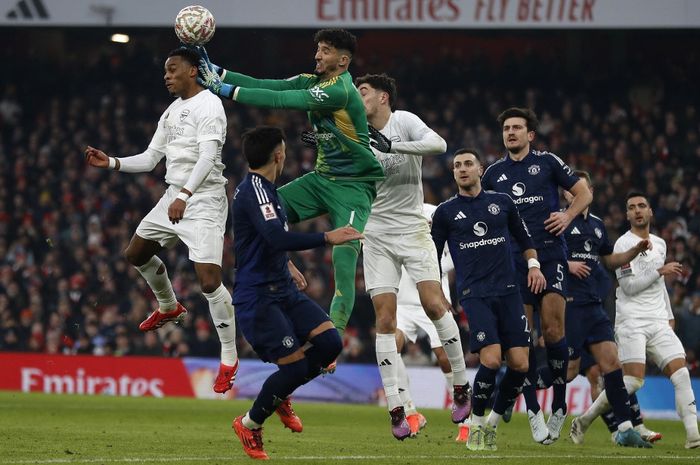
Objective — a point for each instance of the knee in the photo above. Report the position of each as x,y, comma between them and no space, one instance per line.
490,361
553,332
209,285
132,256
329,343
609,364
521,365
386,322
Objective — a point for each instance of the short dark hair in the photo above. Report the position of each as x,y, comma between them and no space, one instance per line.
531,120
338,38
382,82
636,194
187,54
259,143
584,175
468,150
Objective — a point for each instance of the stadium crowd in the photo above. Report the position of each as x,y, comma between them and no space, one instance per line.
65,287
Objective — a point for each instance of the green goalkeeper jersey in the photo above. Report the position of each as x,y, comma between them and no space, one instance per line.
335,110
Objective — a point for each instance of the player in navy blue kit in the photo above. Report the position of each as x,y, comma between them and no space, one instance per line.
587,323
478,227
281,323
533,178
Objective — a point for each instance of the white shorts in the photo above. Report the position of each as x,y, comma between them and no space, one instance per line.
383,255
409,318
636,339
201,228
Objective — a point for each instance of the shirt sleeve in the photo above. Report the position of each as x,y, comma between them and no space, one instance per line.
422,140
141,163
628,276
208,151
563,175
606,248
263,215
316,98
439,232
299,81
516,226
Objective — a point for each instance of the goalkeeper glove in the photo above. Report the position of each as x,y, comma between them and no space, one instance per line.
308,138
205,57
378,140
208,75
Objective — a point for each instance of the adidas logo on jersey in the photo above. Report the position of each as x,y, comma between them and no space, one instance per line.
450,341
575,231
502,178
460,216
385,363
557,286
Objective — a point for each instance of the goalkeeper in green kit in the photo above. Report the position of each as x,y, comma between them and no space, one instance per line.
343,182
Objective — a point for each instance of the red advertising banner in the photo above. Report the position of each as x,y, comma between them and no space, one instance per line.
117,376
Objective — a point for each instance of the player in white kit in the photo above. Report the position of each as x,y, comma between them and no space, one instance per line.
643,323
397,236
190,135
410,319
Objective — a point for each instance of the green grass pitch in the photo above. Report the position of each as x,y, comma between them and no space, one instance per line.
66,429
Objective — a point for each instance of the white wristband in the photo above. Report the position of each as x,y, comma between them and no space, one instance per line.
183,196
532,263
111,163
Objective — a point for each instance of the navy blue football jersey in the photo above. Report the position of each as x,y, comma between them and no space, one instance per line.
587,240
261,239
533,183
479,231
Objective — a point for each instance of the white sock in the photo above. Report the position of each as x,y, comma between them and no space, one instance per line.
222,314
404,386
386,360
250,424
450,379
602,405
597,408
493,419
477,420
159,283
448,332
624,426
685,402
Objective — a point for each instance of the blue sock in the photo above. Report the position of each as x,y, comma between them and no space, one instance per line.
617,395
277,388
530,384
558,360
636,410
484,383
544,378
509,389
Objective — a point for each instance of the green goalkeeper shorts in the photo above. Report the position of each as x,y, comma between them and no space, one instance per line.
312,195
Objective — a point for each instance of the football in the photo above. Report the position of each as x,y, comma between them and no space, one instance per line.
194,25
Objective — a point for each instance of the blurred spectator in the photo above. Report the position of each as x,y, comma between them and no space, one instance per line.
65,287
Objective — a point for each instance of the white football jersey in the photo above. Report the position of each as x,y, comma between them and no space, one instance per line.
399,203
181,128
650,303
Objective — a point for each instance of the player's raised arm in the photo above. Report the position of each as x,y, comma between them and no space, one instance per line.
141,163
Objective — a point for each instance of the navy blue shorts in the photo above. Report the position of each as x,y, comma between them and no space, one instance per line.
587,361
496,320
585,325
554,272
276,325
